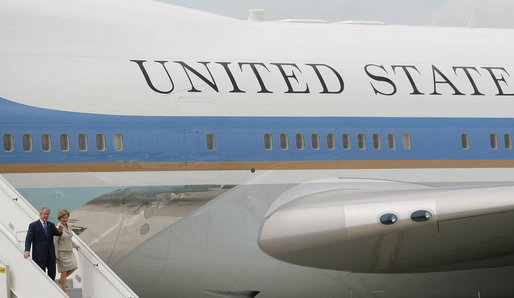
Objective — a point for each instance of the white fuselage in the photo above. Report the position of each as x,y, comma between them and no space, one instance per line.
194,97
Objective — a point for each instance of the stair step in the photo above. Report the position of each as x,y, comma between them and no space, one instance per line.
74,292
69,283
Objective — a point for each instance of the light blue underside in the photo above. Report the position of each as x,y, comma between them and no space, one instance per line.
69,198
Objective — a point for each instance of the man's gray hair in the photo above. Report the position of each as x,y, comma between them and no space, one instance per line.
44,208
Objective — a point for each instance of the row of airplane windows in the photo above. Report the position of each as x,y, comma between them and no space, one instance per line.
376,139
331,142
27,142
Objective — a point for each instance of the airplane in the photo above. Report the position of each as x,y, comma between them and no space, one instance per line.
204,156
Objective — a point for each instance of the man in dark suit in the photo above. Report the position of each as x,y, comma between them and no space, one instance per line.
41,236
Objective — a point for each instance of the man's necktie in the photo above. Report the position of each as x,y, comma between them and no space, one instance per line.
46,229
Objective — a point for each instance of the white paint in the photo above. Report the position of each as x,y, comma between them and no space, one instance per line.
94,179
149,31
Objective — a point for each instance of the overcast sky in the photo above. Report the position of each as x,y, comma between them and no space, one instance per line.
482,13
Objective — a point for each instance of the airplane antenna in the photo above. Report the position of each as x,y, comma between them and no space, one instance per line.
256,15
471,21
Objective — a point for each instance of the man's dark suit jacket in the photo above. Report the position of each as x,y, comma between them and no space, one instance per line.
42,245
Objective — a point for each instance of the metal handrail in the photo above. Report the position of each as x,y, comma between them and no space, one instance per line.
97,262
14,241
15,195
106,272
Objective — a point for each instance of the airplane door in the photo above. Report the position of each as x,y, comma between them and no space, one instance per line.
188,144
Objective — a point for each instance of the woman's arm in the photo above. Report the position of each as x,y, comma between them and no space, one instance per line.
56,246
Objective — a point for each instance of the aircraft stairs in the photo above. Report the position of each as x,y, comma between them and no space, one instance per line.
20,277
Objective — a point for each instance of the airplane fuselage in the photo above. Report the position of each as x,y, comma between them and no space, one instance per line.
184,132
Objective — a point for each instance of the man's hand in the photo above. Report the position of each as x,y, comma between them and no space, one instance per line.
60,228
26,254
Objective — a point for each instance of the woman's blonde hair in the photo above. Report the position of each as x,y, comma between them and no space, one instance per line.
62,213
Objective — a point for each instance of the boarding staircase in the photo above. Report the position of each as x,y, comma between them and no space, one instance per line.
22,277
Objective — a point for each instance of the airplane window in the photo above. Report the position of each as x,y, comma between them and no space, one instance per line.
268,141
315,141
331,141
347,144
211,141
361,141
83,142
494,141
100,142
27,142
464,139
46,142
377,144
300,141
8,141
284,141
117,139
406,141
65,142
391,141
507,138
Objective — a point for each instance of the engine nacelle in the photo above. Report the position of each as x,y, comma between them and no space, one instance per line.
394,231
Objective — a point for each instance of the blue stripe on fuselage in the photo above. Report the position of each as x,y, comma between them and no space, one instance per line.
171,138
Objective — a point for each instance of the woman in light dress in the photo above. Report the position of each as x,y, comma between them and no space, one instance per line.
66,261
